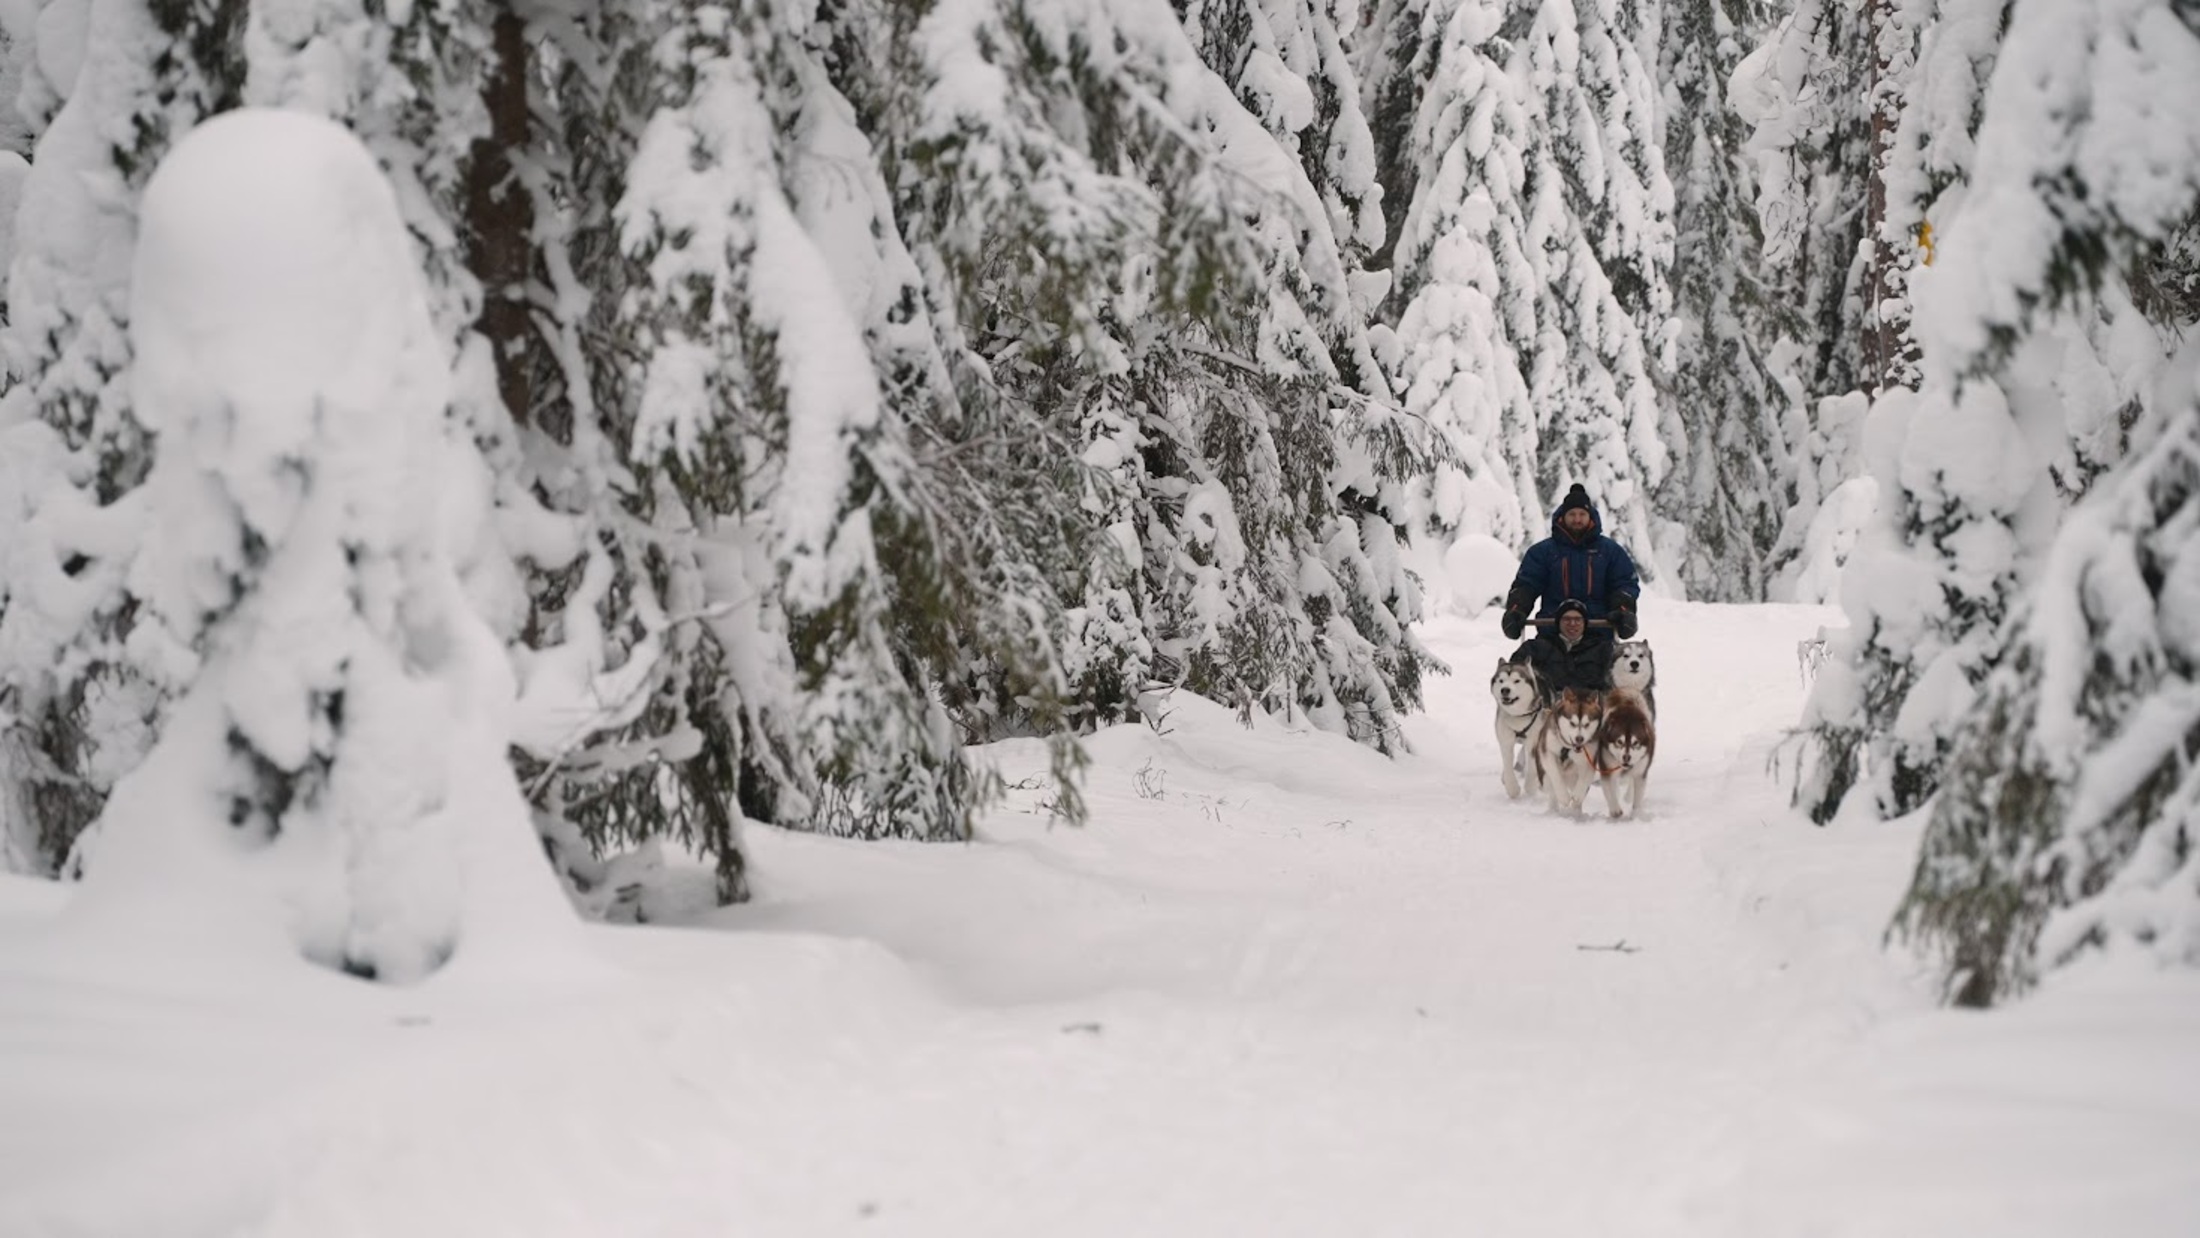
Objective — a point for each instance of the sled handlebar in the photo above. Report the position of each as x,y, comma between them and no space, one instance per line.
1594,623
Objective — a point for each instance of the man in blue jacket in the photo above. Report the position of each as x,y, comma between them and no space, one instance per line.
1576,561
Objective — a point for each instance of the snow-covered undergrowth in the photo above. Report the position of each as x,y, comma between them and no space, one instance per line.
1279,985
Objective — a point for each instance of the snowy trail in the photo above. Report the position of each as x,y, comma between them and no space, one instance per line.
1279,986
1419,944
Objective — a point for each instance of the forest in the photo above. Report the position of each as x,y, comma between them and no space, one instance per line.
818,388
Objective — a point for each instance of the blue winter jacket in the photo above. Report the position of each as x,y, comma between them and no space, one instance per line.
1595,570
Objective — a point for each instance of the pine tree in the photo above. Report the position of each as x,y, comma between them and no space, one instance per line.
1806,94
975,567
1321,484
2068,819
17,133
1133,341
771,554
1456,130
1816,98
78,706
721,619
334,774
759,422
1735,476
1971,470
1532,257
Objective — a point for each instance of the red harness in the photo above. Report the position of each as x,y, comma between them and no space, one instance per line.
1621,768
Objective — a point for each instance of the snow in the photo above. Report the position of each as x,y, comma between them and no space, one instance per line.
59,35
1815,577
1279,985
1471,574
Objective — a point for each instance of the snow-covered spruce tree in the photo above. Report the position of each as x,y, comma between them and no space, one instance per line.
2069,816
1285,61
975,527
1329,483
412,82
1972,470
1806,94
1394,55
421,86
759,414
517,125
990,473
18,56
1821,97
333,782
18,49
1464,281
2102,353
1733,479
622,738
76,707
452,97
1050,260
747,621
1081,221
1531,259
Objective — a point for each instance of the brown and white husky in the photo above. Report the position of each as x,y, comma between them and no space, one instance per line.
1565,754
1626,744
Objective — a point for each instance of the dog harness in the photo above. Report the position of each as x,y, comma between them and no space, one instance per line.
1522,733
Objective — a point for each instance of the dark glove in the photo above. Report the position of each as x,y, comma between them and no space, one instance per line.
1623,618
1513,624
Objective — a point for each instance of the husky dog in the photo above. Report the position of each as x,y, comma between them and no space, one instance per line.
1519,697
1633,669
1566,752
1626,744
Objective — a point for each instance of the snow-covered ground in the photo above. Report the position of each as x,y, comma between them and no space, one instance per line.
1279,985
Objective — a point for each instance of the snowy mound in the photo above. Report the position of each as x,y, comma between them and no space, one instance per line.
333,783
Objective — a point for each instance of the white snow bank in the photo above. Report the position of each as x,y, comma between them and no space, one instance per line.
1465,577
2075,1112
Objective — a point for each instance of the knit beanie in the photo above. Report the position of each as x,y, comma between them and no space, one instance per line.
1572,604
1576,497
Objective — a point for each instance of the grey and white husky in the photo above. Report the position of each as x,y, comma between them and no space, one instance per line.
1635,670
1519,696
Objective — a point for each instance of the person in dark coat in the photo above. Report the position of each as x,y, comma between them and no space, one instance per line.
1575,562
1566,656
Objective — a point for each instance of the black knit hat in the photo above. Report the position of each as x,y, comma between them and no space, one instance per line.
1572,604
1576,497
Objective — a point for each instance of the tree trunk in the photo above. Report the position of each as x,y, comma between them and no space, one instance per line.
500,216
1884,341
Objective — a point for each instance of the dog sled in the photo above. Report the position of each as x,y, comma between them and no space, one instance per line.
1560,741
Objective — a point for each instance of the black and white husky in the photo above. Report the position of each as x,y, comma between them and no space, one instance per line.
1519,697
1634,670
